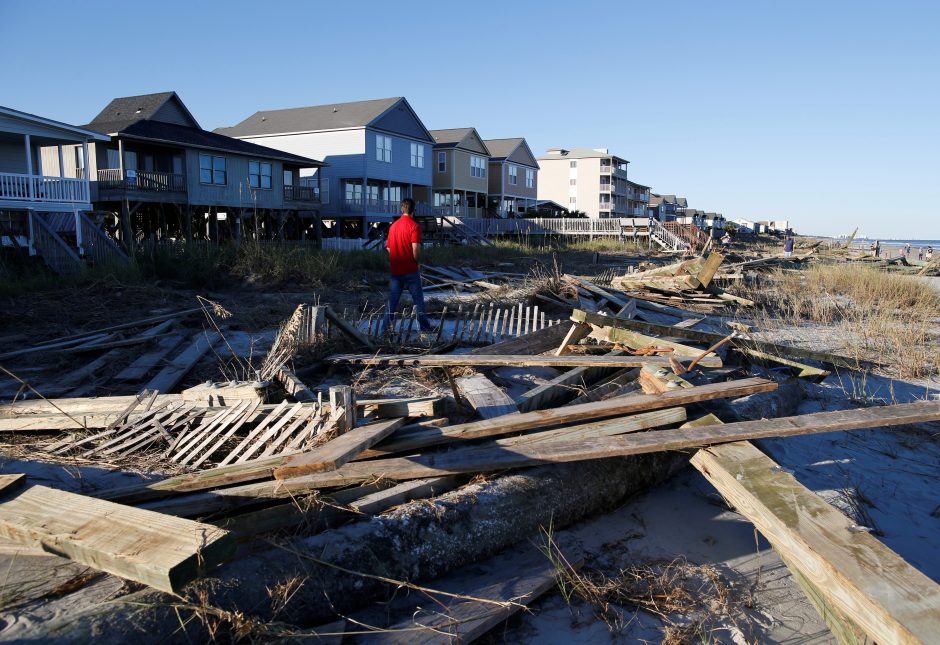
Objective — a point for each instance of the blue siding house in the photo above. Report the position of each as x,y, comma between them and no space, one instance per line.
377,152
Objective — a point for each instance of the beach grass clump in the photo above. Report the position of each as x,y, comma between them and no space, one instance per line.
877,316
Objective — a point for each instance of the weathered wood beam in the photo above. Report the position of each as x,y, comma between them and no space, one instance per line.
848,570
519,360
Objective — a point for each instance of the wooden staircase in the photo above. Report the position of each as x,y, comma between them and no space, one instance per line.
457,232
689,233
67,242
665,238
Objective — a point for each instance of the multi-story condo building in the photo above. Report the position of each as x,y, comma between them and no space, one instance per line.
461,172
377,152
593,181
513,177
169,178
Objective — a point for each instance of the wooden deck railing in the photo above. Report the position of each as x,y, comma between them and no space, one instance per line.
301,194
111,178
42,188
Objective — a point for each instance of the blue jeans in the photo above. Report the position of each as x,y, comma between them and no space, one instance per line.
398,283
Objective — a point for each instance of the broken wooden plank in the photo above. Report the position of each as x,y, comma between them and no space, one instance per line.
137,370
167,378
849,569
338,451
485,397
158,550
293,386
800,370
348,329
375,503
636,340
710,338
576,333
425,437
496,360
12,482
536,342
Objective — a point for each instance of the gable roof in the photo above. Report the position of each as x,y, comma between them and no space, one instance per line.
501,149
655,200
199,138
454,137
333,116
122,112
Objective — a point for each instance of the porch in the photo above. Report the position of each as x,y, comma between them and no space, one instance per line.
381,199
460,203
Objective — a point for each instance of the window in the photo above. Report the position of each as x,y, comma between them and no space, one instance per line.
383,148
572,164
259,174
441,162
288,178
353,192
572,182
79,163
212,170
529,178
572,200
477,166
417,155
513,172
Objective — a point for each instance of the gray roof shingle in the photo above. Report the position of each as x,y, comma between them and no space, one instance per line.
333,116
502,148
123,111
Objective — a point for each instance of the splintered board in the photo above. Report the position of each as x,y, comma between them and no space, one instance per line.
159,550
497,360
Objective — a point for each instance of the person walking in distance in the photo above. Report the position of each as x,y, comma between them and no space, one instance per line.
404,253
788,247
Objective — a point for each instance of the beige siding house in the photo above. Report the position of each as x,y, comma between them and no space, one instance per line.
461,172
593,181
513,177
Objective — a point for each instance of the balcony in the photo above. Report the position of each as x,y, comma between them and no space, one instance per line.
607,188
614,170
148,181
301,194
381,207
43,189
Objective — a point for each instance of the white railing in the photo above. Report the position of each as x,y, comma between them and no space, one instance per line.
550,226
43,188
342,244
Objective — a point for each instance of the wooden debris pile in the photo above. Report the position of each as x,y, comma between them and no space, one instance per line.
623,385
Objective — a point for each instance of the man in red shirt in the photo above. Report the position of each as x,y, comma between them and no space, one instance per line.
404,250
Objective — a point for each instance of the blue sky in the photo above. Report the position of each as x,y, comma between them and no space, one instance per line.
823,113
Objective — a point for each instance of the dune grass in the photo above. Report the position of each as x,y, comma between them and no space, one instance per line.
879,316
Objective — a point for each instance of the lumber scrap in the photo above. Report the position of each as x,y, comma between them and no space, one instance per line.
710,338
158,550
11,482
799,370
534,342
167,378
293,386
485,397
496,458
853,575
636,340
348,329
338,451
576,333
497,360
424,437
137,370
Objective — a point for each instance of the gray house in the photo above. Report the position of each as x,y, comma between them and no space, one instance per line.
166,177
513,180
461,167
377,152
